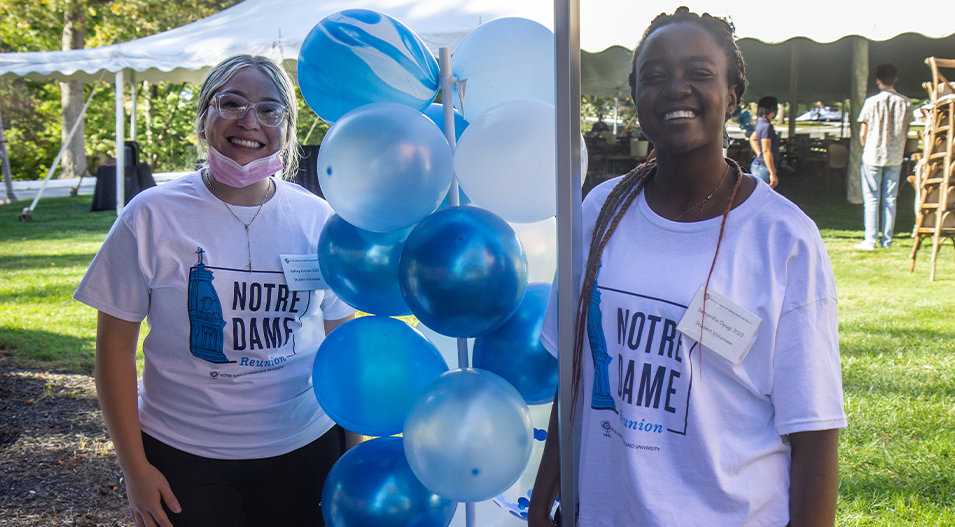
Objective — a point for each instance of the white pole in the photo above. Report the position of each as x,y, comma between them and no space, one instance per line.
446,82
569,258
5,166
616,103
59,155
132,111
120,145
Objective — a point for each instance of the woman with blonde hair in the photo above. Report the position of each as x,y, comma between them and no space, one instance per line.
224,428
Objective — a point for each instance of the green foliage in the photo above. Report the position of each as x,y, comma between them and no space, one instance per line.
32,111
593,106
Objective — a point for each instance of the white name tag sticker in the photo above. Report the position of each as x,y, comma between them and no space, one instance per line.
302,272
728,329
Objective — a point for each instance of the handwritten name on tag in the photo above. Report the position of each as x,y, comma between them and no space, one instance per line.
728,329
302,272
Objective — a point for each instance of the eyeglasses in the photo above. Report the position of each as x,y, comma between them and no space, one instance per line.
234,107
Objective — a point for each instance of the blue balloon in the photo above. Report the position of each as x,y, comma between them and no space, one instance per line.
359,56
435,112
373,485
504,59
463,271
514,351
469,435
384,167
361,266
368,371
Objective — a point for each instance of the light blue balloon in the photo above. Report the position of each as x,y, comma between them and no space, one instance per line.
468,436
504,59
463,271
373,485
361,266
384,167
514,351
435,112
359,56
368,371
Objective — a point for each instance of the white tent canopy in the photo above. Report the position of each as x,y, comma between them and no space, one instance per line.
276,28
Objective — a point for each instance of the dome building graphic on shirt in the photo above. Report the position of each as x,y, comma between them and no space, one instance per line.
601,399
205,314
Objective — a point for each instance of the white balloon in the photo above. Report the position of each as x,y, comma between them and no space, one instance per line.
511,500
506,58
540,245
505,161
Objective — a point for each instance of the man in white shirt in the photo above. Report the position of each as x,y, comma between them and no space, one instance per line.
885,119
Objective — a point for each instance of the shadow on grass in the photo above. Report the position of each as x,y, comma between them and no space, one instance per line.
825,202
50,350
17,263
53,219
36,294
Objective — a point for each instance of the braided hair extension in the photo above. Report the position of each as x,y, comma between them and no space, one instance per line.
612,211
719,28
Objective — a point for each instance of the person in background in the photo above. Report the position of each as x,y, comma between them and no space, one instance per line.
885,119
224,428
600,126
765,142
672,434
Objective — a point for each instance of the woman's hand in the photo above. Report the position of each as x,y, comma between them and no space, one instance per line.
146,490
115,373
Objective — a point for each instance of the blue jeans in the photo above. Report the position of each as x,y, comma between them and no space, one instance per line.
880,186
760,171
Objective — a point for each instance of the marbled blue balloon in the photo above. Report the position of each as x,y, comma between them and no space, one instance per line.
463,271
514,351
373,485
361,266
359,56
435,112
368,371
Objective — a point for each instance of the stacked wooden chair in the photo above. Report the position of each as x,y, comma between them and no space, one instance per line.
934,182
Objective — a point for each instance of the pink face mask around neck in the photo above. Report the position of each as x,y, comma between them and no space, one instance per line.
228,172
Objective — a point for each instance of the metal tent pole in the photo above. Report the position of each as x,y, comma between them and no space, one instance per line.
569,259
120,145
446,80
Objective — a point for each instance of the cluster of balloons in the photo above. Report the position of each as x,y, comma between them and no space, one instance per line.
395,247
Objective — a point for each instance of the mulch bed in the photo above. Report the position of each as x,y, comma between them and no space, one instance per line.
57,464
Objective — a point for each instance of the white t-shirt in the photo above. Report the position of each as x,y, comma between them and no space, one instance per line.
228,357
670,437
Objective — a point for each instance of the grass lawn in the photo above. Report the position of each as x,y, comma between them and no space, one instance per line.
897,332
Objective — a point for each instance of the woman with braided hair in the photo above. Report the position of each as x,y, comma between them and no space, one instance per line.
674,433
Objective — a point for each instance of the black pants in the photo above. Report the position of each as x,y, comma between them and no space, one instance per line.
278,491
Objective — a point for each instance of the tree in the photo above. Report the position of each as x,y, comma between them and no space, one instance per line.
71,92
38,120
